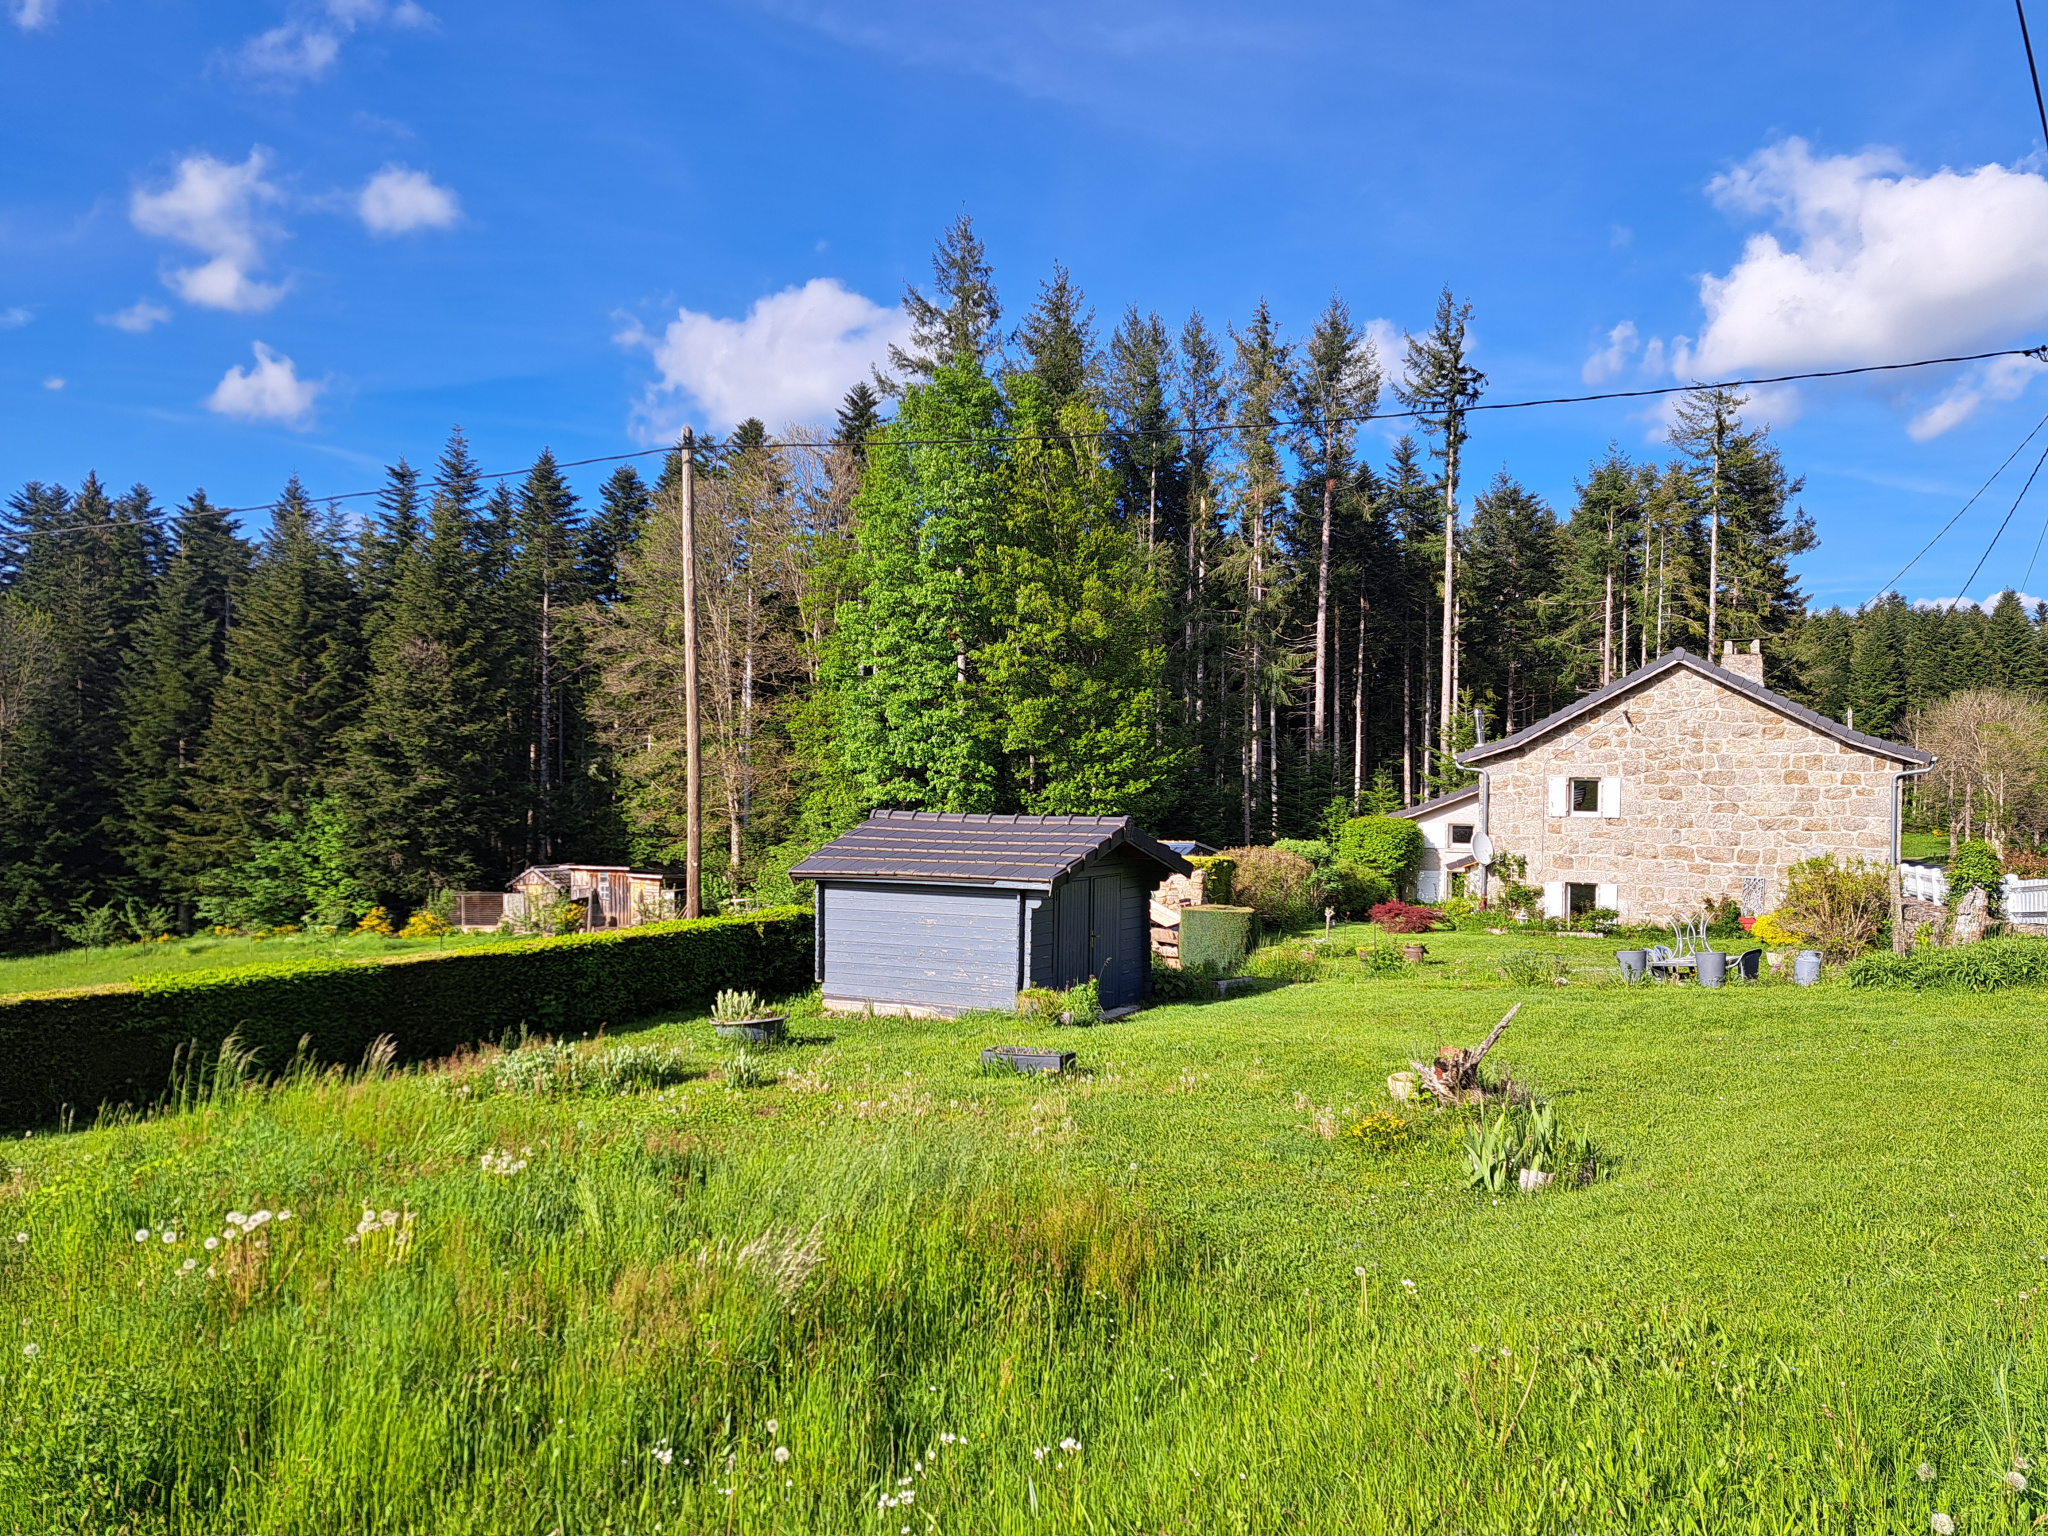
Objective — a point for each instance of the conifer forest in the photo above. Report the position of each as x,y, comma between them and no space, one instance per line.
1046,564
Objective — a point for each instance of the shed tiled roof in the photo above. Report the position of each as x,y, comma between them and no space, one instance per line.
939,848
1734,682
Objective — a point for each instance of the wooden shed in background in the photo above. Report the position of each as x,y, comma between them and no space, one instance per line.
612,896
931,914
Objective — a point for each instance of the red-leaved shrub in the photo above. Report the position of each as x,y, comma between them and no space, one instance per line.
1399,917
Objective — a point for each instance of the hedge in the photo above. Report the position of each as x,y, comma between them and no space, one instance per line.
1986,966
1216,937
1392,845
116,1044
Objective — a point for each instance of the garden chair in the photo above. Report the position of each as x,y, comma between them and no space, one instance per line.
1657,959
1750,962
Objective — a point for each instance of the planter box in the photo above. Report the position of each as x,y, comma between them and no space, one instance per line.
1029,1060
755,1031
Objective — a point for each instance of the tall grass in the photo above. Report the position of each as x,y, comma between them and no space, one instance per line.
611,1300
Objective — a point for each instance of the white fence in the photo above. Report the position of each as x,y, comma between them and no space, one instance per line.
2025,901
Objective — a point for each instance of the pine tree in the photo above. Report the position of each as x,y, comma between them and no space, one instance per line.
170,676
1513,555
544,586
288,691
1269,667
1056,345
860,413
386,538
624,503
2014,655
958,326
1876,693
1144,450
1603,540
420,793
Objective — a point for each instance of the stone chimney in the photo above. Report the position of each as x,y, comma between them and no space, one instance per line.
1749,663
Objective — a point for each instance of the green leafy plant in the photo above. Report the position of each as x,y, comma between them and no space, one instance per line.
1281,887
1219,874
1355,889
1976,866
1531,968
1285,962
1525,1136
731,1007
1081,1005
1390,845
1381,959
744,1069
1185,984
1837,907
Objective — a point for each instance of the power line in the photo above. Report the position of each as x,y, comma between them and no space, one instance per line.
2020,6
2002,526
1892,585
2039,354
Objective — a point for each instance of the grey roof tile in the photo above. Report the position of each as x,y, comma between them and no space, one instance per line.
935,847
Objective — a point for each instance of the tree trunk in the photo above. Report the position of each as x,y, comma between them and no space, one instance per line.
1316,728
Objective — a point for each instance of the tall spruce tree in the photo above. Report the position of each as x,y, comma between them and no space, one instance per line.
544,587
289,690
172,671
419,790
959,325
1056,345
1513,554
623,505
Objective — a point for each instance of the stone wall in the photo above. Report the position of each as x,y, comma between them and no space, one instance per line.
1713,787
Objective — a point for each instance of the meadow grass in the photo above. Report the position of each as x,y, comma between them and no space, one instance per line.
607,1298
94,967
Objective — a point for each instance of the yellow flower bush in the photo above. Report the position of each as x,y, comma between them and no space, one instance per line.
376,920
1769,930
423,925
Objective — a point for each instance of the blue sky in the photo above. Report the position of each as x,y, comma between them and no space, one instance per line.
239,240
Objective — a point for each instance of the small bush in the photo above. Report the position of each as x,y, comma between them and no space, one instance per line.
2027,863
555,1069
1218,875
1081,1005
736,1007
1838,908
1399,917
1285,962
1528,968
1770,929
423,925
376,920
1354,889
1392,845
1381,959
1724,918
1976,866
1178,986
1526,1136
1280,886
1314,849
1382,1131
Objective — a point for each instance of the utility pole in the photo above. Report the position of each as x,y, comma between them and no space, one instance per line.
693,743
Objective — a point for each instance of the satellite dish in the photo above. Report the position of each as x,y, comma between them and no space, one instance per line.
1482,848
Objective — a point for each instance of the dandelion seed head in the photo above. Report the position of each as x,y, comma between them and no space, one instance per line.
212,1243
1943,1526
782,1454
142,1234
2016,1481
21,1237
170,1237
1925,1472
31,1350
774,1426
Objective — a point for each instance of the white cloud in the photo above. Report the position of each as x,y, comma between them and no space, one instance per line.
212,207
2003,378
33,15
1608,362
137,317
791,359
307,44
270,391
1391,343
53,382
14,319
1987,602
398,199
1882,265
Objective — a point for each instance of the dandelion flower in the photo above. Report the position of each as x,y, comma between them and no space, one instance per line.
212,1243
774,1427
31,1350
782,1454
21,1237
1925,1471
1070,1444
1943,1526
142,1234
2016,1481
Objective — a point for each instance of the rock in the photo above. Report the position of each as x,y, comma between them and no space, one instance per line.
1973,913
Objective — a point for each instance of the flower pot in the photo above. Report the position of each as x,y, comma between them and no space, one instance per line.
759,1031
1413,953
1402,1086
1711,966
1633,962
1028,1059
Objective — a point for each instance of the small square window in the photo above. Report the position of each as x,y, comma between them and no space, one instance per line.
1580,899
1585,799
1461,836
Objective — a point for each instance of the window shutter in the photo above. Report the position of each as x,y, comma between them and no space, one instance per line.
1553,894
1610,797
1558,804
1608,896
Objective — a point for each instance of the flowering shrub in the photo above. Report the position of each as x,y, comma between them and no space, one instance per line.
422,925
1400,917
1384,1130
376,920
1838,907
1766,928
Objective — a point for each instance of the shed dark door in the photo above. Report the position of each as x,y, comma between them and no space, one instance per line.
1073,961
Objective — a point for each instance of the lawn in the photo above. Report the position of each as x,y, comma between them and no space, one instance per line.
124,962
877,1293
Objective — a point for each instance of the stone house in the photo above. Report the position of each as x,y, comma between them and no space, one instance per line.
1685,781
1449,823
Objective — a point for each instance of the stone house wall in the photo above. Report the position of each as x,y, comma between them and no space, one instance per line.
1708,788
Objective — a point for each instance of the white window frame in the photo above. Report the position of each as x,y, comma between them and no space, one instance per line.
1599,786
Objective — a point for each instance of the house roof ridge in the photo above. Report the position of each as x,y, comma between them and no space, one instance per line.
1676,657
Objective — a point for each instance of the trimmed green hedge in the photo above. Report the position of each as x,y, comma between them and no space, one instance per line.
1986,966
1217,937
116,1044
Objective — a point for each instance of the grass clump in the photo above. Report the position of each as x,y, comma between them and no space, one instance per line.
550,1069
1990,965
1532,968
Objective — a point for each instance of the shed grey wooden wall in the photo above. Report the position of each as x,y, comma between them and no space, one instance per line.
938,947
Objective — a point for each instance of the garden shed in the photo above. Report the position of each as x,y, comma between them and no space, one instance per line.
930,914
